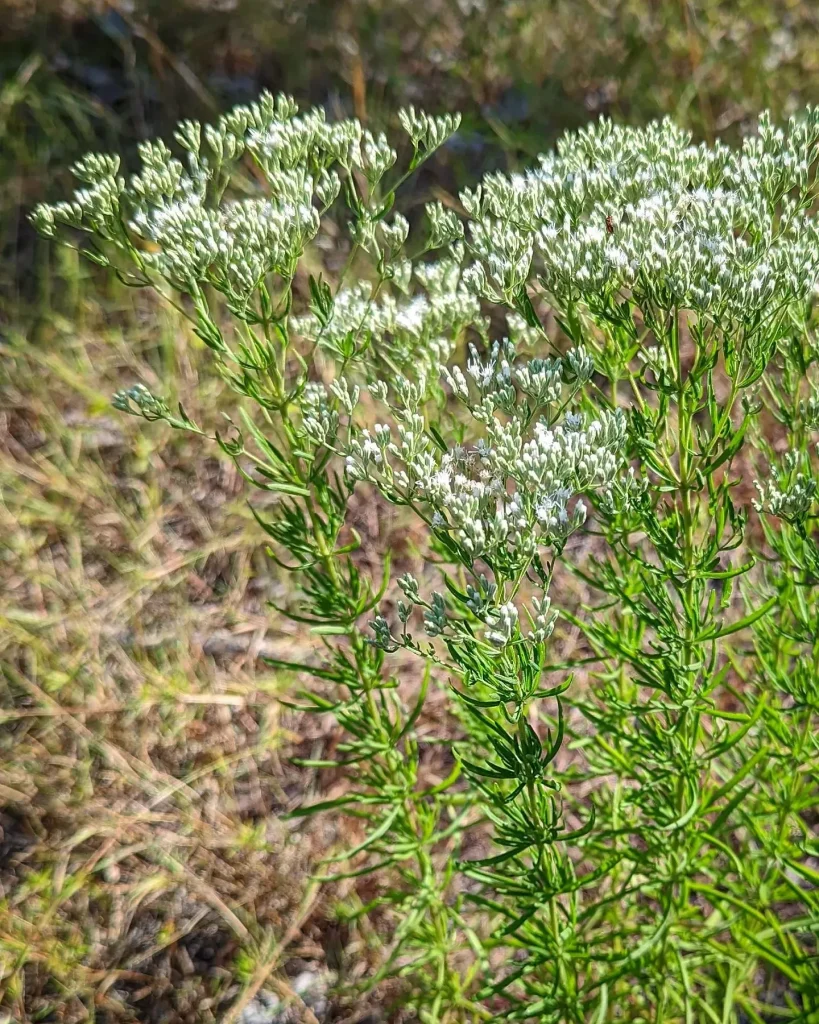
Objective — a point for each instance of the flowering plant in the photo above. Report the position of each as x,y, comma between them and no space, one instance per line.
559,383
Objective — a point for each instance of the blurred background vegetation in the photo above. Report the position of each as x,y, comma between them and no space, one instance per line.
144,873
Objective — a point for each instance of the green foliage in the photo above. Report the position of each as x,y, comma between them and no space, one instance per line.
652,836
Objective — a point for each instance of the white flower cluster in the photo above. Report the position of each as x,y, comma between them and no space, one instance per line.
445,226
94,208
809,410
427,132
792,503
503,621
644,212
233,247
417,331
319,419
173,219
511,489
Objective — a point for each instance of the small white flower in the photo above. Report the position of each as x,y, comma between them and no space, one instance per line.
503,622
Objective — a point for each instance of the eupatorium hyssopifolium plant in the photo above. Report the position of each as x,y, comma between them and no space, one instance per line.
658,298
